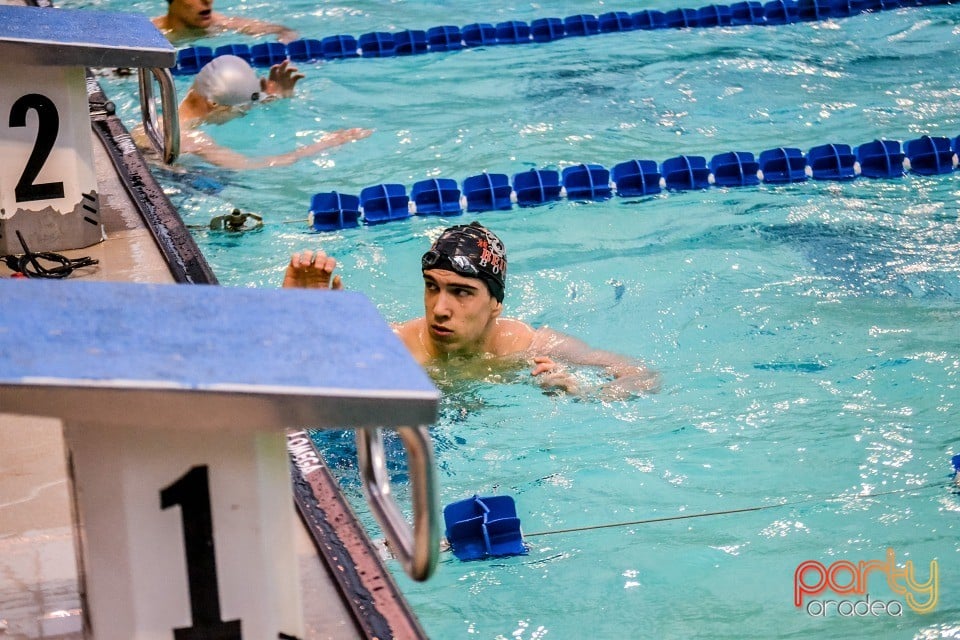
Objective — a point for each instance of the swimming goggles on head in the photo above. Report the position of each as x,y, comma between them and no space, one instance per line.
461,264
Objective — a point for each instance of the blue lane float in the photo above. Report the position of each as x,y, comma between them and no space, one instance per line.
482,34
331,211
483,527
635,178
880,159
929,155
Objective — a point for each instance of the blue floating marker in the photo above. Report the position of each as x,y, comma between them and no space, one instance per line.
239,50
813,10
384,203
339,47
587,182
487,192
843,8
444,38
784,164
714,15
481,527
649,19
332,211
780,12
583,24
615,21
955,461
267,54
832,162
734,169
437,196
410,42
479,34
377,44
536,186
880,159
305,50
513,32
681,18
929,155
547,29
686,172
746,13
636,178
192,59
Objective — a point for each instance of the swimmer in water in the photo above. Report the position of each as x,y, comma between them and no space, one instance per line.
226,88
464,278
189,19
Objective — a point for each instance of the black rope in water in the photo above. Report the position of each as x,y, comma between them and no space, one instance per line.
707,514
30,266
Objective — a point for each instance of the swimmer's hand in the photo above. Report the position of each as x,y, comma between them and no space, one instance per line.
344,136
309,270
283,77
629,383
553,377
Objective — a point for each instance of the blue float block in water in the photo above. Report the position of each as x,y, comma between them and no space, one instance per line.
536,186
832,162
267,54
686,172
331,211
880,159
734,169
377,44
636,178
487,191
479,34
783,164
384,203
436,196
587,182
929,155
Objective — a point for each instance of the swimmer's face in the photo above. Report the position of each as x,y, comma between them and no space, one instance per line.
459,311
220,114
196,14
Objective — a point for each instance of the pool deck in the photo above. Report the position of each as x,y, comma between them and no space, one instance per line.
39,596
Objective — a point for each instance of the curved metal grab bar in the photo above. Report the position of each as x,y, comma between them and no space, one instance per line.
169,146
419,549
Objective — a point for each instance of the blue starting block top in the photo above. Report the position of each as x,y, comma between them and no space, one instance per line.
81,38
193,356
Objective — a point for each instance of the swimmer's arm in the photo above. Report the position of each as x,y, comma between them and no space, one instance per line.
629,375
253,27
213,153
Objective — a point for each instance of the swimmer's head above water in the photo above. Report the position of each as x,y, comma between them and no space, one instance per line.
228,81
473,251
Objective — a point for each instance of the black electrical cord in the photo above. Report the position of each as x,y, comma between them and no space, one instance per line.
30,265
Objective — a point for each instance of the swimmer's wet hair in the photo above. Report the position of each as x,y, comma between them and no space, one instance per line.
228,81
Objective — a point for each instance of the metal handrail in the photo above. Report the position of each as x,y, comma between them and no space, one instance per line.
418,549
169,146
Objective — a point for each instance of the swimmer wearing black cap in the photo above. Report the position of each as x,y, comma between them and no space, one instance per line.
464,277
188,19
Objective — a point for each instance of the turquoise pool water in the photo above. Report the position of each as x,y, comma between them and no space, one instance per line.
807,334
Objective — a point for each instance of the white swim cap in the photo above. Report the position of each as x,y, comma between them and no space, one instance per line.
228,80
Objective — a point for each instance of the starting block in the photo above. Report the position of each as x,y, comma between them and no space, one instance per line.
175,401
48,182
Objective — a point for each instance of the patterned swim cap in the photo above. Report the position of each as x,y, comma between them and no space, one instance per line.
228,81
473,251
